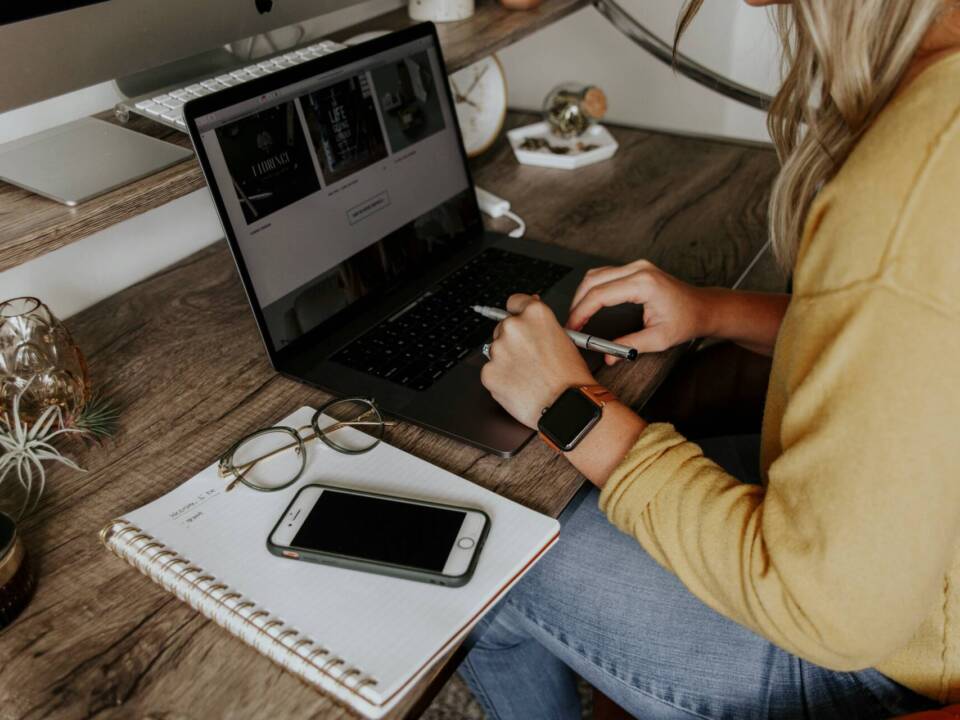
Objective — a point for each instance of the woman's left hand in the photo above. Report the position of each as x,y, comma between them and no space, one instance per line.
532,360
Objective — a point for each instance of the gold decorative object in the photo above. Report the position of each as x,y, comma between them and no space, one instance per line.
539,143
39,363
571,108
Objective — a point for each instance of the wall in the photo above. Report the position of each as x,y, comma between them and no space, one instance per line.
584,47
729,37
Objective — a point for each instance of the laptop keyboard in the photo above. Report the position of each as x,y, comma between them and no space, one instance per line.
421,343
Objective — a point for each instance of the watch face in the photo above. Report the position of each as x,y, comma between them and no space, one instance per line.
569,418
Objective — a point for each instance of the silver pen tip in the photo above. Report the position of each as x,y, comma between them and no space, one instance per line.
476,308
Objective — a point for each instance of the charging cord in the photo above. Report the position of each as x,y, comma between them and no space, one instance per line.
521,227
496,207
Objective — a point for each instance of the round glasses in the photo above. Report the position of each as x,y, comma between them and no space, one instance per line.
274,458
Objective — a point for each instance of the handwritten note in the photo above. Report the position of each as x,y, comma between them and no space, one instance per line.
190,511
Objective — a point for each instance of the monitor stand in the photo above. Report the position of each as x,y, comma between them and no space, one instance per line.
80,160
179,72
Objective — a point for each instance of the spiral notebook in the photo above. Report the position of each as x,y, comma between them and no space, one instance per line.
365,639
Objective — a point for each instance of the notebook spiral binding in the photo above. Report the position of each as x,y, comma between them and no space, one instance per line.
273,637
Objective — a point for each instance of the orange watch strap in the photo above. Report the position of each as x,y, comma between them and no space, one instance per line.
598,394
550,443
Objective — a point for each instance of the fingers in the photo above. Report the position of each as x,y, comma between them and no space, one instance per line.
648,340
486,377
517,302
603,275
529,308
522,308
627,289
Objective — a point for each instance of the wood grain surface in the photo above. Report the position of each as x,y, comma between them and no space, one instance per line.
31,225
181,354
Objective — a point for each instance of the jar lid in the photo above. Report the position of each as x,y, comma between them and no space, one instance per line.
8,535
595,103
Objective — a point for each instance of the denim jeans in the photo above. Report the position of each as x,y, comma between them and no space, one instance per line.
598,606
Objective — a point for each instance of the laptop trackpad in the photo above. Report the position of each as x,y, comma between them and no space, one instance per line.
460,406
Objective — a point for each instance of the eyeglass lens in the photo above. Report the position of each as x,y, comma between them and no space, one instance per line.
350,426
269,460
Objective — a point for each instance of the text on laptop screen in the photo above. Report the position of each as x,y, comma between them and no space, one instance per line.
339,184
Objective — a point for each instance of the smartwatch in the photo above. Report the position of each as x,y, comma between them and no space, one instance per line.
565,423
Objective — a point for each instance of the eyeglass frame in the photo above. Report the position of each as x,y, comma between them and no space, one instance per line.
238,473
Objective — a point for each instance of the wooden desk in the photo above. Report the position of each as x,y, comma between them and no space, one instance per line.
181,353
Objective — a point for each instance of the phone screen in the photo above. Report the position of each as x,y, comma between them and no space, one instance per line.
381,530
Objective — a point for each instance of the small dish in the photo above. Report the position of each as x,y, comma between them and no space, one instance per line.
602,142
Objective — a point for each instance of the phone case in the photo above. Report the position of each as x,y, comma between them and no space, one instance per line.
401,571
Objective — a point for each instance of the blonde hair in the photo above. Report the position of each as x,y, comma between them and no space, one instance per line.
842,61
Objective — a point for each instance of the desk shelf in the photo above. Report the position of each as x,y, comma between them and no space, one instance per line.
31,226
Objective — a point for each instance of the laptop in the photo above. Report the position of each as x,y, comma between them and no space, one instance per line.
344,193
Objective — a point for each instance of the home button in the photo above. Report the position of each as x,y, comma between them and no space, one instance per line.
465,543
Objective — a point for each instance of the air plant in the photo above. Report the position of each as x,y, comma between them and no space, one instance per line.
98,419
24,448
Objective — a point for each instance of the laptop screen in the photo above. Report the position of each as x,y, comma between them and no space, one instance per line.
338,185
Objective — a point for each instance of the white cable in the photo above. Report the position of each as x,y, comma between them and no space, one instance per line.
496,207
756,259
521,226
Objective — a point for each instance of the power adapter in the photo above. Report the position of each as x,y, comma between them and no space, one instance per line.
496,207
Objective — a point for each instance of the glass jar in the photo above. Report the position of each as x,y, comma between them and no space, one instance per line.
571,108
39,358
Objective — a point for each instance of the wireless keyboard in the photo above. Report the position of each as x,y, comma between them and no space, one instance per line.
166,107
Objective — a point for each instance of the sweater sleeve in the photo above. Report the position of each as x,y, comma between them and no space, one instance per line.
844,551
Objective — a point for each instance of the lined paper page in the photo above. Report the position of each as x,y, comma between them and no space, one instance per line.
387,627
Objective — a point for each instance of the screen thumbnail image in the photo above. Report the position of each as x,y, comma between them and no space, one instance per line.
408,99
344,127
269,163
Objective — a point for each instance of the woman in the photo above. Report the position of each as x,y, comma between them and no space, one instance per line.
831,587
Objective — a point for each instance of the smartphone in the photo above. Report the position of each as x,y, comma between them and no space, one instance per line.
396,536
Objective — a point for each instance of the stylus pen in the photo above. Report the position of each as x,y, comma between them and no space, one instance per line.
581,340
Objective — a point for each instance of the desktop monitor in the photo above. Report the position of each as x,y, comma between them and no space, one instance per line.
56,46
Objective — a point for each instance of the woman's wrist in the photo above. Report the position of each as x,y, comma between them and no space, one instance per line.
708,303
607,443
751,319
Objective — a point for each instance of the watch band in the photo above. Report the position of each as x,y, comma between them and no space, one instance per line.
549,443
597,394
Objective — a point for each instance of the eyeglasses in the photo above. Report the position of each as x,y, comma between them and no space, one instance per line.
275,457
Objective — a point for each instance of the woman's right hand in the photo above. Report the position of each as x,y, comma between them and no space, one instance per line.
673,311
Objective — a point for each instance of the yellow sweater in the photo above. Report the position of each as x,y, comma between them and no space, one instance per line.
849,554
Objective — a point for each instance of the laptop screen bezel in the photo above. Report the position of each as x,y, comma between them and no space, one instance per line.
289,76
